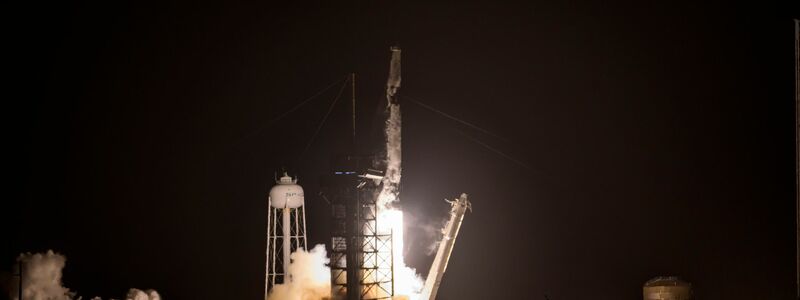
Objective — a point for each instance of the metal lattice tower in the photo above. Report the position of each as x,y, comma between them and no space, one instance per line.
361,253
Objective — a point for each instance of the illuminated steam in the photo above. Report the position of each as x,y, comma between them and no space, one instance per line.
137,294
42,277
391,179
310,277
41,280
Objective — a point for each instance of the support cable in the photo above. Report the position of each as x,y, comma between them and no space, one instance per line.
353,104
495,150
296,107
428,107
797,148
325,118
472,139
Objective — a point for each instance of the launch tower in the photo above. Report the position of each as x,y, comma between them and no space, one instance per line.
362,261
361,252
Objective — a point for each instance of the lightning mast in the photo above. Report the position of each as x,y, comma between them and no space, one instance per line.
362,261
458,208
797,145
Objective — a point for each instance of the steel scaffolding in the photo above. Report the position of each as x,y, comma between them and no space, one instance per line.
361,254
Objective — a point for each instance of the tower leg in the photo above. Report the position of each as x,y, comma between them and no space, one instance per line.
268,275
287,248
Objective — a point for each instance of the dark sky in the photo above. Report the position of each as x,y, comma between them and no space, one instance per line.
657,137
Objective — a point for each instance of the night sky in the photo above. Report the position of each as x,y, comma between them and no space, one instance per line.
653,138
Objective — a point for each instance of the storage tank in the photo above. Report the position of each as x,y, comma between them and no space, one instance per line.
286,229
667,288
286,193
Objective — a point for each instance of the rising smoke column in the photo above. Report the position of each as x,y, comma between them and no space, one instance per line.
391,179
42,277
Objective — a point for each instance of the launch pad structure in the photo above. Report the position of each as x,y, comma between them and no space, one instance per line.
361,260
362,255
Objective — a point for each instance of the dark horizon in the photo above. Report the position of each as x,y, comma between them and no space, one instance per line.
650,139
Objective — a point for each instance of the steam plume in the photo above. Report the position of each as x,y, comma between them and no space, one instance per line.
310,277
41,280
391,179
42,277
137,294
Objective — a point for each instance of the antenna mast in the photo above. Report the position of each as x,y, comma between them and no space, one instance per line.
353,93
797,144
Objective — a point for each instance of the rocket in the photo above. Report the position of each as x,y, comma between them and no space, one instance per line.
393,83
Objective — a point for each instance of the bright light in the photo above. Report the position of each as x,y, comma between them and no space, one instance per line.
406,281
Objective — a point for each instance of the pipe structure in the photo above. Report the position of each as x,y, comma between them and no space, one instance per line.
450,232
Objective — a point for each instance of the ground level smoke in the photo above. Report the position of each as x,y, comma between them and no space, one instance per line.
309,277
41,280
137,294
41,277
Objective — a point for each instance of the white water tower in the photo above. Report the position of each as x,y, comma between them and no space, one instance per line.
286,229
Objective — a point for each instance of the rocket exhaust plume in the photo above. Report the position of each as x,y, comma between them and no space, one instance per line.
41,280
310,277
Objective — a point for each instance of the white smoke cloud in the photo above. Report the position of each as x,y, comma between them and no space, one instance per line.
408,283
137,294
310,277
41,280
428,233
394,159
42,277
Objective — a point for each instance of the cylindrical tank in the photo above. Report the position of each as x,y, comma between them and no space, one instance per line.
286,194
667,288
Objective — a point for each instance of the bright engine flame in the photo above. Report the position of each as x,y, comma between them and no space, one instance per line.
406,281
